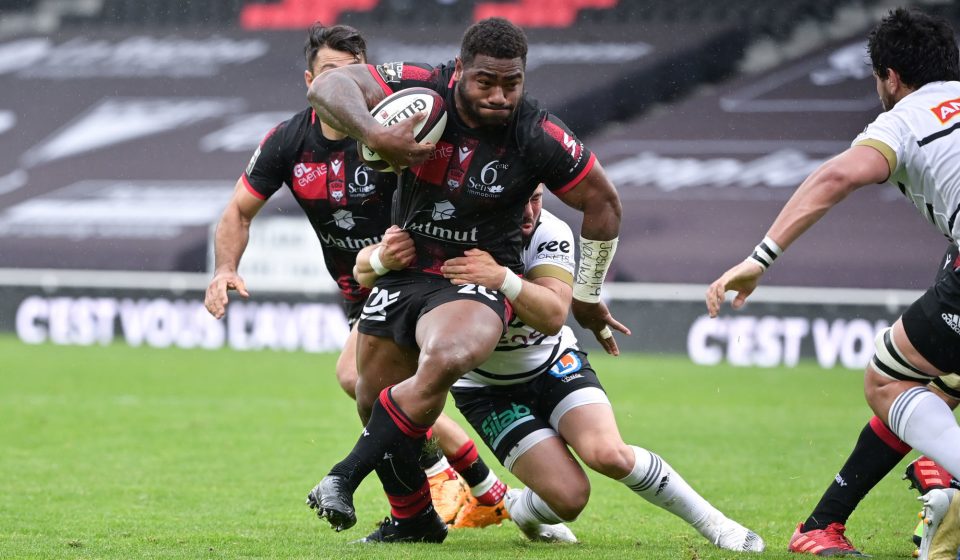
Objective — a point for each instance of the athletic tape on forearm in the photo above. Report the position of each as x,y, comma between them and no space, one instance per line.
595,259
376,264
765,253
511,285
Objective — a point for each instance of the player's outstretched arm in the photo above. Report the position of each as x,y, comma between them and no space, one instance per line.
342,97
830,183
395,251
229,243
542,303
597,198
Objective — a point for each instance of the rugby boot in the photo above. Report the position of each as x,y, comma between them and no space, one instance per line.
540,532
475,515
426,527
941,524
730,535
925,474
829,541
448,493
333,500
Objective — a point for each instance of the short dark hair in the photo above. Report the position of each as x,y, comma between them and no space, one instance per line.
495,37
337,37
921,48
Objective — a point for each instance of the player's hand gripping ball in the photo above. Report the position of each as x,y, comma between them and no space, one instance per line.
400,106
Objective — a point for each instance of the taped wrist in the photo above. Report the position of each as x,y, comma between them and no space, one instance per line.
595,259
765,253
376,264
511,285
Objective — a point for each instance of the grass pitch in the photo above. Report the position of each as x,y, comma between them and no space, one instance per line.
116,452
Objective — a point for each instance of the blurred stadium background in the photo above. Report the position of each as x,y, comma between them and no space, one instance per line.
124,125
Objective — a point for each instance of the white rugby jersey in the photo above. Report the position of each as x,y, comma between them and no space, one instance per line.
920,137
523,352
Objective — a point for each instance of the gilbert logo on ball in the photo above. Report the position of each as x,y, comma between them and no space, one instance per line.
399,107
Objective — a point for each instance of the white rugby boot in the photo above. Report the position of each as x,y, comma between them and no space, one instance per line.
534,530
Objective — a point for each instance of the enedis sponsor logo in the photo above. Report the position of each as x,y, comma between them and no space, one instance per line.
947,110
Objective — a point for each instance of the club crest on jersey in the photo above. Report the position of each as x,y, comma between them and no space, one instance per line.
391,72
568,364
344,219
443,210
947,110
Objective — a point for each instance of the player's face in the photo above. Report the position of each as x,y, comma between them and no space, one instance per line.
531,213
328,59
886,98
488,90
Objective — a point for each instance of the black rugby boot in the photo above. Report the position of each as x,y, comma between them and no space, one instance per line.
426,527
333,500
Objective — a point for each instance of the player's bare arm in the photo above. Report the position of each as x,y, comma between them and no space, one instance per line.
541,302
343,97
830,183
597,198
395,251
230,241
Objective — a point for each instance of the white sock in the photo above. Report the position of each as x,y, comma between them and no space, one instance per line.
656,482
437,467
924,421
529,509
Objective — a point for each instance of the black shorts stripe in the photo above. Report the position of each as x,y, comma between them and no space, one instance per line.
888,342
937,135
948,390
883,368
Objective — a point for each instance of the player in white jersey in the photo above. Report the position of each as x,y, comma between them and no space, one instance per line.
538,393
915,146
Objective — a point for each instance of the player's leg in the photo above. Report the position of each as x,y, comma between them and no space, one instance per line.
895,386
381,361
455,333
923,343
448,490
454,338
347,365
525,443
584,418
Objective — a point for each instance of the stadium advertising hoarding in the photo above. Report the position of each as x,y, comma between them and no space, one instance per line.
835,328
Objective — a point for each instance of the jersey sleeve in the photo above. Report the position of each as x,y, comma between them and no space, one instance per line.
565,159
550,252
268,168
887,134
394,76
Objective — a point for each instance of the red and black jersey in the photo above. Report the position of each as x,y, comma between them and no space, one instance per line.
472,190
347,203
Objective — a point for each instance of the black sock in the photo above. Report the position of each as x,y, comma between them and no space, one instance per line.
387,429
431,453
468,463
877,452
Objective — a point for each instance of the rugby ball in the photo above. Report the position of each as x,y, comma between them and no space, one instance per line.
400,106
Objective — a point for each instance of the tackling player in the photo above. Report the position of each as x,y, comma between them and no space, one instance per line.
914,145
348,205
419,333
538,393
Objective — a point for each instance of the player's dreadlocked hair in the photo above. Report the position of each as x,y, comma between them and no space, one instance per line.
337,37
495,37
921,48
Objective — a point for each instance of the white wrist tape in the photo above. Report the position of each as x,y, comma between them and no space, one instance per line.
376,264
511,286
595,259
765,253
